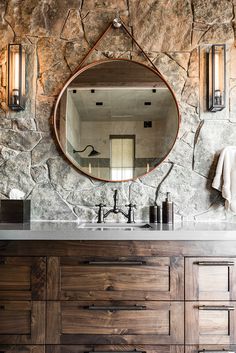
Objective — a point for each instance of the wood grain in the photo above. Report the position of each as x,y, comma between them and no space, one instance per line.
115,348
160,322
157,279
22,322
22,278
210,282
209,326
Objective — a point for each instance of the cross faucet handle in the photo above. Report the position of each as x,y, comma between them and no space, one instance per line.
131,205
101,205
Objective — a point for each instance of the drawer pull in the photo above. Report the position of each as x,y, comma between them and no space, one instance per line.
215,263
2,307
214,307
116,308
118,352
116,263
215,351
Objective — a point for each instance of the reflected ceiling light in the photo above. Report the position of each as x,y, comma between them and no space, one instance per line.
16,77
93,153
216,78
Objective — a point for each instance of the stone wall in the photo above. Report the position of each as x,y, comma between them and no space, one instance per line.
57,34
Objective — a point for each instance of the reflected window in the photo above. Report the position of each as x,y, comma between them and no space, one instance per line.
122,155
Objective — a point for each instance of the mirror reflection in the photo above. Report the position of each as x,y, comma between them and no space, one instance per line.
116,120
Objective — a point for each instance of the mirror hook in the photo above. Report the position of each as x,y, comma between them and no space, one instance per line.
117,21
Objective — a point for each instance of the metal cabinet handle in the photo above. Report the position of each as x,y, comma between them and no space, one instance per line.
116,352
215,307
215,263
215,351
116,308
116,263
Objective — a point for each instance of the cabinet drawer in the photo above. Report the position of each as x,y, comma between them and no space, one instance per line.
22,349
210,349
22,322
126,278
115,322
22,278
210,278
210,322
114,349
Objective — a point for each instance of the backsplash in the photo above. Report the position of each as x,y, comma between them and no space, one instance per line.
57,34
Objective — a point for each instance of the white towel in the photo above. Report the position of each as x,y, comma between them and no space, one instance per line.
225,177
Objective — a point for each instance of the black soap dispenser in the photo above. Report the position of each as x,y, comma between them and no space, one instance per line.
167,210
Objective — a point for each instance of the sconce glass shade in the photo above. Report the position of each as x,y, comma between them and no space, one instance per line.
216,77
16,77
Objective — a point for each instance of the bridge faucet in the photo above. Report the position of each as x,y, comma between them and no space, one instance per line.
129,214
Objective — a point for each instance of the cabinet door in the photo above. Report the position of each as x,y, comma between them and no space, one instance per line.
115,322
114,349
22,278
22,322
126,278
210,278
210,322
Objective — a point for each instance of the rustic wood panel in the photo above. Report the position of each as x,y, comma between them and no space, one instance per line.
22,349
210,348
22,278
210,282
74,323
53,278
154,278
127,248
114,348
22,322
210,326
53,328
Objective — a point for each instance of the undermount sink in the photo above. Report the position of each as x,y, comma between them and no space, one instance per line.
107,226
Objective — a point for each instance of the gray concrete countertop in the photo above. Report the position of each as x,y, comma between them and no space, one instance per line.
223,231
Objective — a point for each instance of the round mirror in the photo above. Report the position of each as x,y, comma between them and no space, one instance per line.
116,120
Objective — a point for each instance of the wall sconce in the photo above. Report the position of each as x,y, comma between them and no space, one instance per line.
216,62
16,77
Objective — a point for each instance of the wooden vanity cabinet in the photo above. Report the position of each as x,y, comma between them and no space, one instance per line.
125,296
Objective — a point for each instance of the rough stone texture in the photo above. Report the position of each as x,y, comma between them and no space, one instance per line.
57,34
19,140
38,17
15,174
64,178
162,25
44,113
44,150
46,204
212,12
208,146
